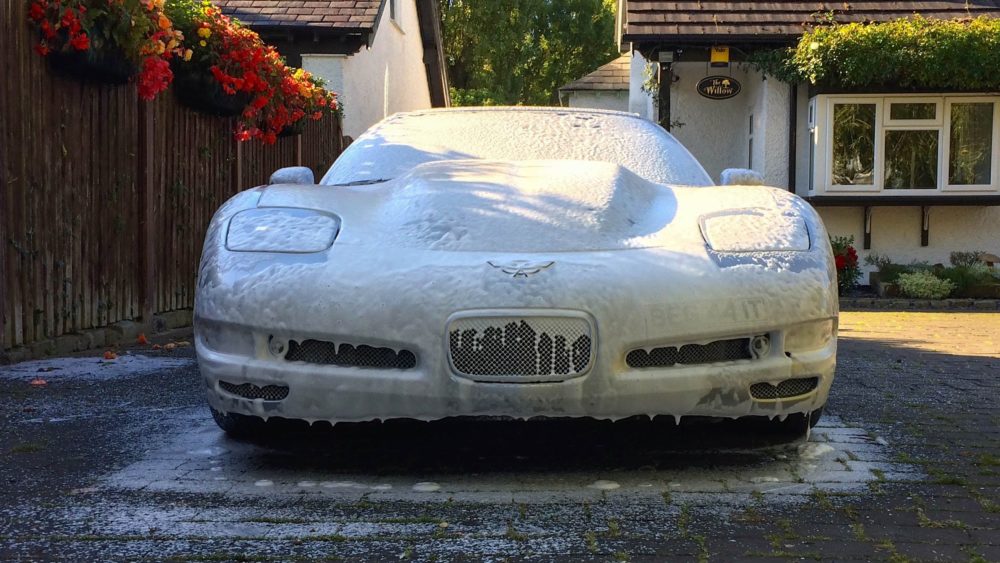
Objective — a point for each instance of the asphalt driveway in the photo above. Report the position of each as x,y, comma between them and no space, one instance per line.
120,461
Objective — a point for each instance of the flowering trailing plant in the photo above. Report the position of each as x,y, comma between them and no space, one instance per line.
138,29
846,258
241,63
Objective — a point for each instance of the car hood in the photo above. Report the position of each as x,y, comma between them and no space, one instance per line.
525,206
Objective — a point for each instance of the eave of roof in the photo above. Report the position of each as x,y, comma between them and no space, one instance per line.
772,22
610,77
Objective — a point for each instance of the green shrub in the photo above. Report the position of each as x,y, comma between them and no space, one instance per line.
924,285
890,272
965,277
914,52
966,258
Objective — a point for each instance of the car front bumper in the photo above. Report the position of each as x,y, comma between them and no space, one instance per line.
431,390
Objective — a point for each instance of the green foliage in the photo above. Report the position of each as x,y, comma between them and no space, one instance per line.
964,277
970,258
846,258
914,52
924,285
509,52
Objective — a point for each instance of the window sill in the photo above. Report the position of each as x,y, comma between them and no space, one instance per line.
902,200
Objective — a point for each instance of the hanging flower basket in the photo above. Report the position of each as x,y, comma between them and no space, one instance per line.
202,92
108,66
294,129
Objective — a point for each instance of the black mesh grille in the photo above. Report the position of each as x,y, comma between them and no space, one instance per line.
251,391
547,348
691,354
363,356
785,389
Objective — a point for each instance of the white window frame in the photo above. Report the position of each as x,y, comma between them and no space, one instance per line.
946,144
876,184
888,121
822,107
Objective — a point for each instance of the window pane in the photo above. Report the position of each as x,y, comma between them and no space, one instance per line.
911,160
971,144
853,144
912,111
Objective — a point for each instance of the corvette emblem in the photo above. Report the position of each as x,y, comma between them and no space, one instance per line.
521,268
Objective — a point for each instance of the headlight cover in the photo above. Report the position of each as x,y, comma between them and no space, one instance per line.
754,230
809,336
288,230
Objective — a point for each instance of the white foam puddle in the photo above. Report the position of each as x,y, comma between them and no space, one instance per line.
341,485
604,485
426,487
93,369
836,458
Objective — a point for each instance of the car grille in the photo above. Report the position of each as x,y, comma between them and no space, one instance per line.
362,356
785,389
530,348
251,391
692,354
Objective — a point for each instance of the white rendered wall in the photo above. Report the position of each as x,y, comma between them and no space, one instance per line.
614,99
385,79
896,231
638,101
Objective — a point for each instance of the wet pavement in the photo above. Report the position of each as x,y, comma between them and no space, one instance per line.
120,460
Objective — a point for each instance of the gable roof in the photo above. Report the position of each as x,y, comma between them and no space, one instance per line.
328,14
763,21
610,77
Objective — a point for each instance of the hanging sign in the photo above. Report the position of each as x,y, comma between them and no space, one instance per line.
720,57
719,87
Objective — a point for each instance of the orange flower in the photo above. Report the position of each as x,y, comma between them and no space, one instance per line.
165,22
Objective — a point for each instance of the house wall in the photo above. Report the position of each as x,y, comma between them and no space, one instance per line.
638,101
896,231
379,81
614,100
717,133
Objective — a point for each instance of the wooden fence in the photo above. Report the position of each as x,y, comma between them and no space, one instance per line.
104,200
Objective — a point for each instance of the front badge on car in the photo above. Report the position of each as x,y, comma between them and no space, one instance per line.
521,268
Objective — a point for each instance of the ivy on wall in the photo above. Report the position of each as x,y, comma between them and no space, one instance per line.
915,52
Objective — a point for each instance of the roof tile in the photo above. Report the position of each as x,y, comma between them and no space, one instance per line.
610,77
650,19
336,14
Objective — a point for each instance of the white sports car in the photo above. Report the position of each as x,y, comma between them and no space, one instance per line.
515,262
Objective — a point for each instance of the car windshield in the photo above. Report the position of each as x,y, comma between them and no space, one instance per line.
407,140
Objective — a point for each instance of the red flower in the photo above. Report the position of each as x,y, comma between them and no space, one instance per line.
841,262
47,31
80,42
154,77
36,12
42,49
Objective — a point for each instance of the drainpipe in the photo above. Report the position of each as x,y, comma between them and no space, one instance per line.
793,109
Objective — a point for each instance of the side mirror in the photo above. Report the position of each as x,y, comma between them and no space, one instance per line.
741,177
293,175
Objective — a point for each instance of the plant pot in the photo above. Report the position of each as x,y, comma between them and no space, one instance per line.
201,92
886,289
294,129
106,66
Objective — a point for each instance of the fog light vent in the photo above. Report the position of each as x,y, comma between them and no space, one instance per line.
785,389
362,356
251,391
693,354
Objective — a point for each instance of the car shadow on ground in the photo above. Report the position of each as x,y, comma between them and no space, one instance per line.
471,445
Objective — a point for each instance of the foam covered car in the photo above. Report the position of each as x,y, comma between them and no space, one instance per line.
514,262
